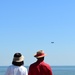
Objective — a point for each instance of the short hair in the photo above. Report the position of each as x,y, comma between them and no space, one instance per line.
18,63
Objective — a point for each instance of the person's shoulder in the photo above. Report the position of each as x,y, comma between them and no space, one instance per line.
10,66
31,65
45,64
23,67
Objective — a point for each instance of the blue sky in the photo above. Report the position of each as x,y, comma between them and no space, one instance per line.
28,26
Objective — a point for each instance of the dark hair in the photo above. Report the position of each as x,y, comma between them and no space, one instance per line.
17,55
18,63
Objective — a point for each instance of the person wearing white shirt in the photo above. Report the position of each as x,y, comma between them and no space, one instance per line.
17,67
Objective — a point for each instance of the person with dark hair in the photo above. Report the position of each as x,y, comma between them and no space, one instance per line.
40,67
17,67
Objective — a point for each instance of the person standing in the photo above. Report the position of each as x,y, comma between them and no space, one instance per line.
17,67
40,67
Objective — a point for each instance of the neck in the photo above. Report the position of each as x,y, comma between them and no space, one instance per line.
40,59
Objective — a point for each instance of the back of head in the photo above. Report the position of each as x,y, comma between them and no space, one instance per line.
18,59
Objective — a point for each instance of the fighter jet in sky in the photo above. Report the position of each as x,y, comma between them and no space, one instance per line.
52,42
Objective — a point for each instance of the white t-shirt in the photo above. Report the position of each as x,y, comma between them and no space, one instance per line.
16,70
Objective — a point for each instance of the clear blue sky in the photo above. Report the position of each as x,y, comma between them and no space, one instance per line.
27,26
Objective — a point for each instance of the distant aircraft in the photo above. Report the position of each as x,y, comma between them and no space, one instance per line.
52,42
